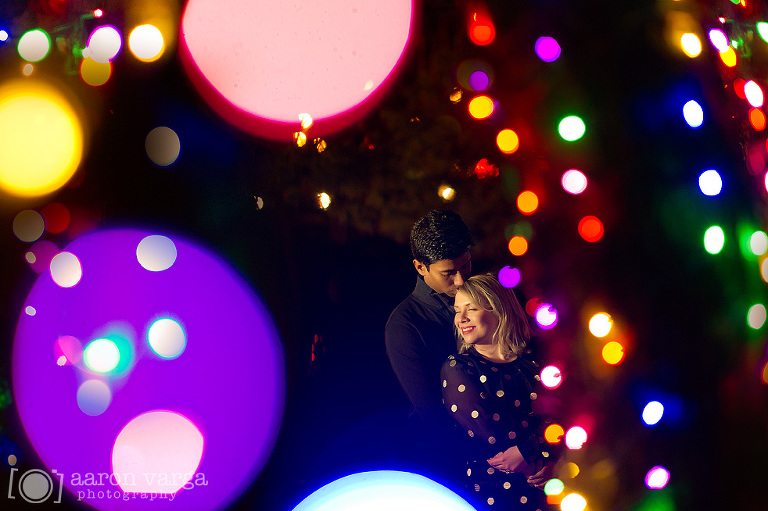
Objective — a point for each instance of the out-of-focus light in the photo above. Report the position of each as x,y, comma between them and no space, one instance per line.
456,95
27,69
613,353
757,119
714,239
481,107
34,45
657,478
117,300
104,43
554,487
479,81
446,193
66,270
764,375
710,183
101,355
554,433
764,269
324,200
3,36
652,413
56,216
719,40
146,43
575,438
527,202
320,144
551,377
334,60
509,277
475,75
162,146
691,45
546,316
95,73
518,245
300,138
600,324
98,13
572,469
167,338
480,28
306,121
158,438
754,94
573,502
591,229
762,30
507,141
156,253
693,114
547,49
41,139
383,490
40,255
571,128
756,316
574,181
531,305
484,168
28,225
758,243
729,57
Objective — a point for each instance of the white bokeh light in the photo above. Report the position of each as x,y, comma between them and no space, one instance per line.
104,44
66,270
167,338
652,413
156,253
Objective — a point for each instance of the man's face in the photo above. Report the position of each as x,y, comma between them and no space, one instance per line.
446,275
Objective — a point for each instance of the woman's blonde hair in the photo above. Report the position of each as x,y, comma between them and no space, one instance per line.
513,331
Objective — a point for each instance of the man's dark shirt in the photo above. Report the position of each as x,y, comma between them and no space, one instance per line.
419,336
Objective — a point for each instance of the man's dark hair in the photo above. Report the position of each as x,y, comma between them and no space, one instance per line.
440,234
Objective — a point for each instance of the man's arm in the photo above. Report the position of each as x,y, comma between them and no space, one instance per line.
410,362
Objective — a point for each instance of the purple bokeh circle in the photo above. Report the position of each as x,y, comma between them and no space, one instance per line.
227,384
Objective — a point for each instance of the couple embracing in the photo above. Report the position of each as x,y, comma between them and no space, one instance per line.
458,345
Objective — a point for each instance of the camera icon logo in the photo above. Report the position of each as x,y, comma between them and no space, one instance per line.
35,486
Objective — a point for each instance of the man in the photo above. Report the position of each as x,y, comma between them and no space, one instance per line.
419,334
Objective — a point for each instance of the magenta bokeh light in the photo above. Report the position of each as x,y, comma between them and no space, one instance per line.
547,49
217,406
260,64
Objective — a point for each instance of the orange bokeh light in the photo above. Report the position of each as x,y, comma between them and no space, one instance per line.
554,433
757,119
518,245
527,202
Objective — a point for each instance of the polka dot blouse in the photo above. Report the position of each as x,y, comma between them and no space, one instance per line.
492,403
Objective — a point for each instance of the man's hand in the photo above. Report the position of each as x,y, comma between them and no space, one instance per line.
540,478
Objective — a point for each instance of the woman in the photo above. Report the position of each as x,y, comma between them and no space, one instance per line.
489,389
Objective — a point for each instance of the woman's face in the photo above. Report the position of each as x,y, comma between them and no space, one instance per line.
475,324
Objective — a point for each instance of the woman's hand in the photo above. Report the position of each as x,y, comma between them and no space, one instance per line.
509,461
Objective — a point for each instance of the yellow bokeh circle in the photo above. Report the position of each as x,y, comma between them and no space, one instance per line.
41,139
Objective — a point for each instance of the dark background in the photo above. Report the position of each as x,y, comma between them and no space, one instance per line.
331,277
